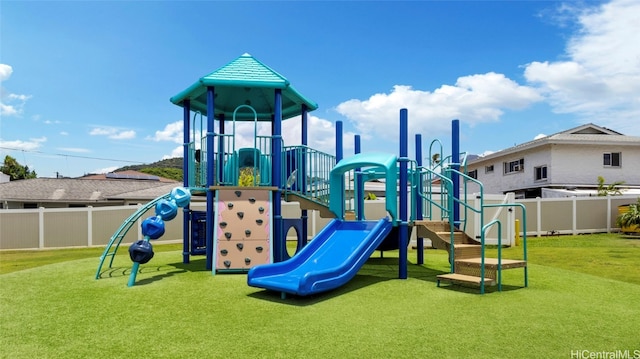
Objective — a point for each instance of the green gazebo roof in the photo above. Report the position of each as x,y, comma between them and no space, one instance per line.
245,81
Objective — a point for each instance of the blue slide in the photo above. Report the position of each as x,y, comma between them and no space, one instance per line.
330,260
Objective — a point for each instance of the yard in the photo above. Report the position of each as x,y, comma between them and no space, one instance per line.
583,296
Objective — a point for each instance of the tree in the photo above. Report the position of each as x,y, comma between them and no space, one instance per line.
15,170
609,189
631,217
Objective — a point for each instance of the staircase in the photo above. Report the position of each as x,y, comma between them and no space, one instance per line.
309,203
467,255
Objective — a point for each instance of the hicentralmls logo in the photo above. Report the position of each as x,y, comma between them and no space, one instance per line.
614,354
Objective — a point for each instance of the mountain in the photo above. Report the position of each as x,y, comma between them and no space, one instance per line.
168,168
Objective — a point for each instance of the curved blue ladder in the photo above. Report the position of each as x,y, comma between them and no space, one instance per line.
123,230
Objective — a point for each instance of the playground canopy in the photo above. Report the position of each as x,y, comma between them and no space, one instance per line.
244,81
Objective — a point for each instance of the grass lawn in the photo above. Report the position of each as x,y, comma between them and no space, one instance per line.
584,294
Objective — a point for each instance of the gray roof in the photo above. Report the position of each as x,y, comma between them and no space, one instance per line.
87,191
587,134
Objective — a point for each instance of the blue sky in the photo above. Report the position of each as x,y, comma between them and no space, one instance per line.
86,85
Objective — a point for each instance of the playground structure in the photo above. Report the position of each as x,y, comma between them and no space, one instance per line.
242,229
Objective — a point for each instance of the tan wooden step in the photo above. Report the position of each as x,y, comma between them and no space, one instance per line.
493,262
434,226
463,278
463,251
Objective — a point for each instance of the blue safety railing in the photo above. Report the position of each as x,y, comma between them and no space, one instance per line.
307,173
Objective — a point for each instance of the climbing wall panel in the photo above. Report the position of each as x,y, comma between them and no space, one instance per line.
243,225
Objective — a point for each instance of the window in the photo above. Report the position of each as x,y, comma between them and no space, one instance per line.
514,166
613,159
488,169
30,205
540,173
473,174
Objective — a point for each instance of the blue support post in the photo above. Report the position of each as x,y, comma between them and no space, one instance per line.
276,158
403,230
418,197
359,182
302,169
455,159
210,174
185,169
339,147
221,150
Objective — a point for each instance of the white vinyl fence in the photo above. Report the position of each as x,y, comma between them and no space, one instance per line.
85,227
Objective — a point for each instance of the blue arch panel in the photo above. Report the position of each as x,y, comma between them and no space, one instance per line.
385,161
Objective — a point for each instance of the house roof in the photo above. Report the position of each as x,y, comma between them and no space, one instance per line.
244,81
128,175
82,190
583,135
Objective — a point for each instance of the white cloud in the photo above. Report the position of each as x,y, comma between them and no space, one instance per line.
172,132
473,99
32,144
321,134
124,135
600,80
98,131
5,72
10,104
113,133
177,152
106,169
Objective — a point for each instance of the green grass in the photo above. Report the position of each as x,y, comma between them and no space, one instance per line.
55,309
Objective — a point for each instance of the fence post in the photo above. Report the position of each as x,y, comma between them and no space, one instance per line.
40,227
574,216
608,214
539,216
89,226
511,217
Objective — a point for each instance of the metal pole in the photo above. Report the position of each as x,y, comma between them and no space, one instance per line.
210,173
418,197
403,226
185,169
455,159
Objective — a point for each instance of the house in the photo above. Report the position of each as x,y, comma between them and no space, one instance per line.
564,164
111,189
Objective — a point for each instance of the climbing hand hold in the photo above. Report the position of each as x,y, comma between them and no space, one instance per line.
259,221
240,246
227,264
224,252
238,193
252,200
261,209
241,215
259,249
230,205
227,235
247,232
247,260
223,224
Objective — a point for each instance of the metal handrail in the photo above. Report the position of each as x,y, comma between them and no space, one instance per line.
482,256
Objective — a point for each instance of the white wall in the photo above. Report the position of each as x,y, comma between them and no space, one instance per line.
567,164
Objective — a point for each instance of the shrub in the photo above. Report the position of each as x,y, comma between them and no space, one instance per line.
631,217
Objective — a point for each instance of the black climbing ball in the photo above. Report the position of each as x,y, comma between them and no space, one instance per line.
141,251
